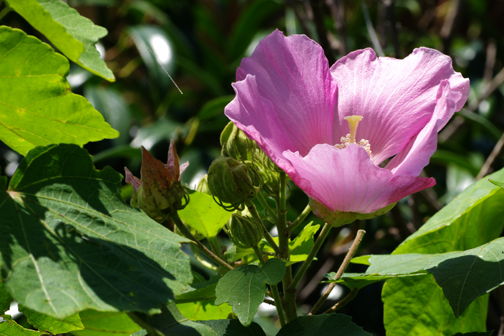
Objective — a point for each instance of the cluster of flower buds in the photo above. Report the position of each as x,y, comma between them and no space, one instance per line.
235,144
159,190
243,230
232,182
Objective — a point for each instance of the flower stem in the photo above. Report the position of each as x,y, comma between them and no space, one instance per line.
316,247
300,218
274,289
202,261
278,304
175,217
283,240
255,214
339,273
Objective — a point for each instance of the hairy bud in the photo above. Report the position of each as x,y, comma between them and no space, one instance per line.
159,190
232,182
244,231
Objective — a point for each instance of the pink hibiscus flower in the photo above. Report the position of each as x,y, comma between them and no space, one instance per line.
299,111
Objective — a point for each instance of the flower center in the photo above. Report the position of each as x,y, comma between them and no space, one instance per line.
353,122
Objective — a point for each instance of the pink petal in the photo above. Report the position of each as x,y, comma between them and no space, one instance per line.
396,97
286,93
131,179
412,159
347,179
183,167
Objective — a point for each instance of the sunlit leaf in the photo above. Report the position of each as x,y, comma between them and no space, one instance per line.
9,327
417,305
51,324
106,324
204,310
70,32
37,107
204,215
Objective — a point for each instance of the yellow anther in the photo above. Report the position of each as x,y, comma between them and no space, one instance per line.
353,122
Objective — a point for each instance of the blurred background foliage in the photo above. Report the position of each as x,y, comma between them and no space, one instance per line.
200,43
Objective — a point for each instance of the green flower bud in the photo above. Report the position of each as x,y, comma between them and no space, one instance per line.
203,186
244,231
230,180
236,144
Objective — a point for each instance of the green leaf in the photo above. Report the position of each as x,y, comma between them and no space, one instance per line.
453,228
204,310
9,327
299,247
417,306
36,105
5,299
85,248
106,324
204,215
50,324
499,184
322,325
71,33
199,294
244,287
233,328
361,280
463,276
171,322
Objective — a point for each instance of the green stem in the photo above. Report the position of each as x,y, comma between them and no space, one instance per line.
255,214
283,240
274,289
264,202
176,219
201,260
5,11
300,218
278,304
339,273
313,252
343,302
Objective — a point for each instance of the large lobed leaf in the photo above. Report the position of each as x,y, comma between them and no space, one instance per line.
71,33
417,305
37,107
244,287
463,276
69,242
106,324
9,327
51,324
